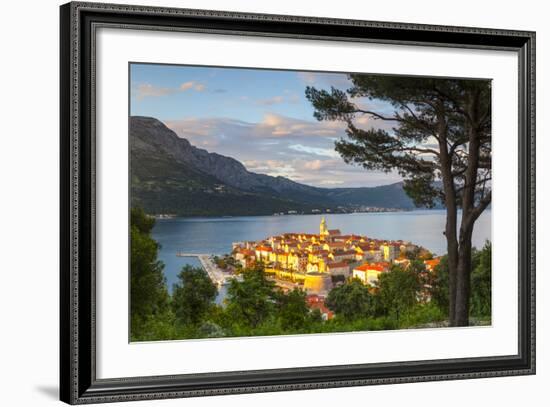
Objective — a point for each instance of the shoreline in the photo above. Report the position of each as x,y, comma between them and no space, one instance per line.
207,217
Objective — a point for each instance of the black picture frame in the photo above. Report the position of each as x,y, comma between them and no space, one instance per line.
78,382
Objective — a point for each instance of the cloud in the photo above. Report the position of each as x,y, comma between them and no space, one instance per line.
364,120
307,77
199,87
326,152
324,79
325,164
204,132
272,120
278,145
186,85
313,165
144,90
274,168
330,182
278,126
322,173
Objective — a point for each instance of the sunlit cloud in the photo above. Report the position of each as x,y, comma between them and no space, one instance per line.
325,164
274,168
199,87
313,165
144,90
277,126
300,150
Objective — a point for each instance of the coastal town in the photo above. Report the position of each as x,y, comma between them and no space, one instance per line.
317,263
295,213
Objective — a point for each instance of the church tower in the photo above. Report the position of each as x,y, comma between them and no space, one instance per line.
323,229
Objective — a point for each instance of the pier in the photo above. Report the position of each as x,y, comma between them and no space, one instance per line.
217,276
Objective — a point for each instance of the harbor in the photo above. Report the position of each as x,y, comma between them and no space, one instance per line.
218,276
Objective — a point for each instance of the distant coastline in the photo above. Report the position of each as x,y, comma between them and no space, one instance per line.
293,213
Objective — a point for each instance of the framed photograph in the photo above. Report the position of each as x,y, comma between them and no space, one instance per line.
255,203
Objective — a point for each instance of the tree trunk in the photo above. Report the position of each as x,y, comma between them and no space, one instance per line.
462,304
464,266
452,262
451,220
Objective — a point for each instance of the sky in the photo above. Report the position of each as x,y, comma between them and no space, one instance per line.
259,117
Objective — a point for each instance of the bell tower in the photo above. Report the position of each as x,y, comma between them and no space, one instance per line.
323,229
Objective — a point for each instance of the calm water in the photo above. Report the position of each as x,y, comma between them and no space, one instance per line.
215,235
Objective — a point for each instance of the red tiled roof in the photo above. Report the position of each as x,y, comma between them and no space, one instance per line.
377,267
382,266
323,308
311,298
432,263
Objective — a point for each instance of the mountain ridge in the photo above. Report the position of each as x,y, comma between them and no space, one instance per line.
166,167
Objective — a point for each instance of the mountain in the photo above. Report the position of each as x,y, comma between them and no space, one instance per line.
169,175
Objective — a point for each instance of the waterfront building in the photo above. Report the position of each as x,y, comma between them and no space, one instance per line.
338,269
263,253
331,246
244,256
390,251
342,255
368,273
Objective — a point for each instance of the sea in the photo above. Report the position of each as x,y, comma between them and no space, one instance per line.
214,235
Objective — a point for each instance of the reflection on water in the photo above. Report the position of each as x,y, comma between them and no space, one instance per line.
215,235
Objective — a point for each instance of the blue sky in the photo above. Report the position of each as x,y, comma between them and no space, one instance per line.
259,117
